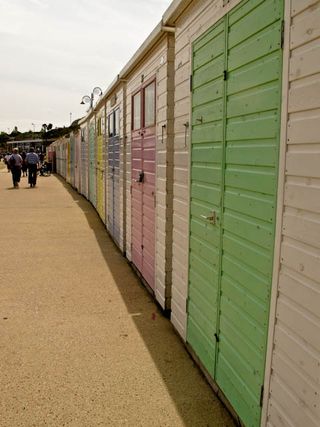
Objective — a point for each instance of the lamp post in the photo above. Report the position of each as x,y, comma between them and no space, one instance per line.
86,99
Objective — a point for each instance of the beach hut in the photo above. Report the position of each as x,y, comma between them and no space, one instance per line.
75,155
149,106
100,166
292,385
61,148
115,165
92,167
72,158
245,279
77,173
84,164
228,78
51,156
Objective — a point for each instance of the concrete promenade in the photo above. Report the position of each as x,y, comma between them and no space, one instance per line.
82,343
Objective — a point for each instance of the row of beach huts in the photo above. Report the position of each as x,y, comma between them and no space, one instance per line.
202,159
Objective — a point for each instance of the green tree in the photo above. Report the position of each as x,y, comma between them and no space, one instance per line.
4,137
15,132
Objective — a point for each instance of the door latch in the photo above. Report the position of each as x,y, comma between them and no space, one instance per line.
141,177
211,218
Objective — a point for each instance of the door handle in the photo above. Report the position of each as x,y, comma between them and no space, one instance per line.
211,218
163,127
141,177
186,127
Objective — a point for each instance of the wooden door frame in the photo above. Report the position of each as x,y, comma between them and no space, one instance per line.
141,131
141,89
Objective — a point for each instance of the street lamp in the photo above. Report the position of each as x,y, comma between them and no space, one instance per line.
86,99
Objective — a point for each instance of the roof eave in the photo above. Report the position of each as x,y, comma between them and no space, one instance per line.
174,11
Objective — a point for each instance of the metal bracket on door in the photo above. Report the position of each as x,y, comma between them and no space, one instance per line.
211,218
186,127
162,132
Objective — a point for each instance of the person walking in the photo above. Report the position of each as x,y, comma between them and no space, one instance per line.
15,162
32,161
24,165
41,157
6,160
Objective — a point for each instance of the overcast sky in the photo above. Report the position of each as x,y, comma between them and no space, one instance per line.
52,52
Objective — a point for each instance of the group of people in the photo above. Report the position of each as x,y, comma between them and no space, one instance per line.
27,163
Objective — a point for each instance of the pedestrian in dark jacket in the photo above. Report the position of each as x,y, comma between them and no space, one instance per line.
32,161
15,162
24,165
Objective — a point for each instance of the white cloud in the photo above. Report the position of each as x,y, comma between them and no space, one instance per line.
54,51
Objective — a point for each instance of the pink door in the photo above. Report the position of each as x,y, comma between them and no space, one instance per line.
143,181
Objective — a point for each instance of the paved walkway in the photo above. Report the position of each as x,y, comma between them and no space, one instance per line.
81,341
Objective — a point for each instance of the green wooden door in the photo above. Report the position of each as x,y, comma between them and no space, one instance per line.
248,186
206,179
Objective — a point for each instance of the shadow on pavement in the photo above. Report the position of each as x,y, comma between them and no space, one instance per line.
195,401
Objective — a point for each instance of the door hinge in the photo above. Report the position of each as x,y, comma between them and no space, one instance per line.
225,75
217,337
191,85
187,305
261,395
130,189
282,34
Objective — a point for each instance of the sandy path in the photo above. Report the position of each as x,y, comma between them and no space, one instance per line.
81,341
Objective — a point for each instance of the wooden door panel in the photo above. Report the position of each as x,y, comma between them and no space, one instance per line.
253,104
143,159
206,181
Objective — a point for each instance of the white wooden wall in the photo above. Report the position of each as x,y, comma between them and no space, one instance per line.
164,175
293,396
